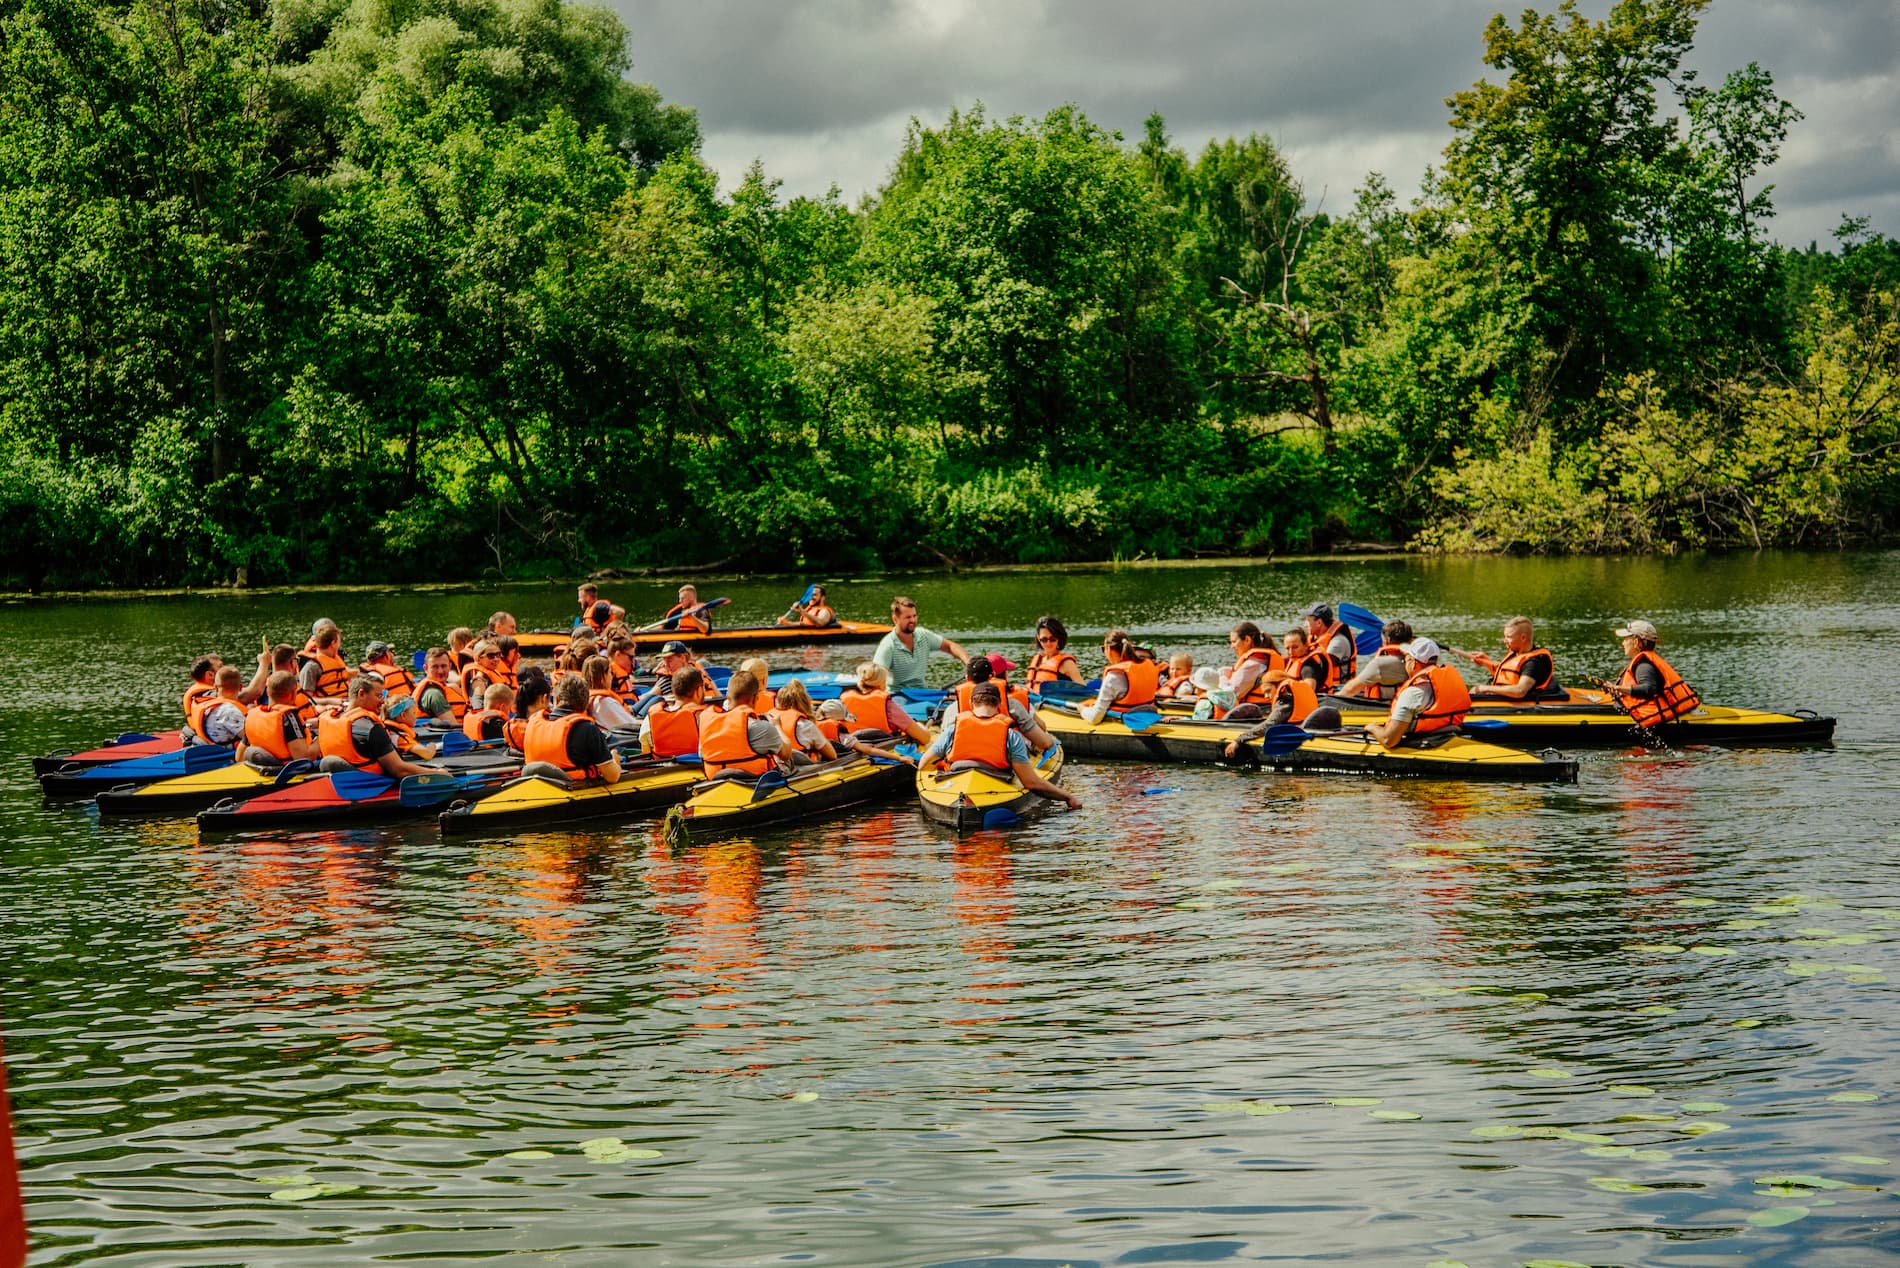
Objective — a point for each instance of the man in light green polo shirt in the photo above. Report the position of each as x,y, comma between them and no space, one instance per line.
906,650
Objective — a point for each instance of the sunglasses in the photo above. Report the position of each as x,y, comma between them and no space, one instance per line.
1046,638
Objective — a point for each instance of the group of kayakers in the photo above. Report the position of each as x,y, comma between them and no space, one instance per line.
577,717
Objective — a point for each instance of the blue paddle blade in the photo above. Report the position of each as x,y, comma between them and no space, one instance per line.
810,590
422,791
720,675
1063,689
1485,724
203,757
1138,719
1283,739
689,759
1158,792
994,819
360,785
131,737
293,770
1367,637
418,659
926,697
769,783
455,742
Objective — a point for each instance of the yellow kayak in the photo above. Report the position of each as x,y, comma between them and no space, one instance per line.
646,787
736,803
976,797
188,794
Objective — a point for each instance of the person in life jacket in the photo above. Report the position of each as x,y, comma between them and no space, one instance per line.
1332,639
586,594
1650,689
1129,679
490,722
1257,665
280,659
874,709
1434,697
813,613
604,704
440,694
620,658
671,727
500,625
325,674
317,627
1052,659
596,619
805,732
994,667
1527,672
1382,674
566,741
768,699
274,731
737,738
461,641
674,656
379,659
496,660
695,623
1293,689
204,685
356,739
1178,684
985,738
219,717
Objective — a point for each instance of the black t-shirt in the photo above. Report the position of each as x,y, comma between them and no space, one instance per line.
1314,670
586,744
294,729
1538,669
371,738
494,728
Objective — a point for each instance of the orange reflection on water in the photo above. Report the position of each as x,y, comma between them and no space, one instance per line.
535,885
709,897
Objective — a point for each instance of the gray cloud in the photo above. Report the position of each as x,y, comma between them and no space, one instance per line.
821,89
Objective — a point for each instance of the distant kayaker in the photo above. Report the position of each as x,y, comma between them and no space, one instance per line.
1384,671
587,594
815,612
1526,672
1649,688
1434,697
905,651
689,621
986,736
1053,659
567,740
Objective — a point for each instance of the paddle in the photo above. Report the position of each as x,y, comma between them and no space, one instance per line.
1283,738
1484,724
293,770
768,783
673,622
204,757
360,785
1368,636
129,737
1649,736
419,792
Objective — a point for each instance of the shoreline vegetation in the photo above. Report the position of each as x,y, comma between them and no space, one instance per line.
373,295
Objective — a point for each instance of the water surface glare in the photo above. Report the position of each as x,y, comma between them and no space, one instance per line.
1216,1016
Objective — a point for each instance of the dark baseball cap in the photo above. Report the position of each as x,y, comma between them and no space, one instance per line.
674,647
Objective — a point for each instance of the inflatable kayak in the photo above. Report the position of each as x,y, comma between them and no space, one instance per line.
119,749
546,642
969,796
352,797
188,794
531,801
738,803
87,781
1449,754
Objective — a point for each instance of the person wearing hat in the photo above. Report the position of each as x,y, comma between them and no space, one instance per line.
1650,690
1434,697
378,659
674,656
990,740
1334,639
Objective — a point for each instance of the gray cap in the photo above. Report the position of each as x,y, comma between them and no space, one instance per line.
375,649
834,710
1422,650
1637,629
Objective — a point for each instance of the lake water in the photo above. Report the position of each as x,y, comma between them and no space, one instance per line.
1217,1015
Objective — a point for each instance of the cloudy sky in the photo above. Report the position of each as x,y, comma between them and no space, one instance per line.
821,89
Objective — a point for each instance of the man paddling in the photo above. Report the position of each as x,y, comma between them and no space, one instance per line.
1650,690
905,651
689,621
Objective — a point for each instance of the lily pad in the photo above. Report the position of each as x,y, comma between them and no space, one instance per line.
1546,1072
1701,1128
1585,1138
1256,1108
1694,902
1553,1263
1447,1263
1783,1191
529,1154
1864,1160
803,1098
1652,1155
1497,1131
1542,1133
1632,1089
1610,1184
1645,1118
1610,1151
600,1142
1655,948
1529,997
1776,1216
1811,1182
1746,1023
1854,1098
1711,951
299,1194
1739,925
1704,1107
1657,1010
1394,1116
1350,1101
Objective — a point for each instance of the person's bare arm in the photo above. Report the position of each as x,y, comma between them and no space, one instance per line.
950,648
1026,776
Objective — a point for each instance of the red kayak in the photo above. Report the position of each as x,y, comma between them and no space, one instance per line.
352,797
126,747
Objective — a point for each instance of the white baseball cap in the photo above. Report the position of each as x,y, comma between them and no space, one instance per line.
1422,650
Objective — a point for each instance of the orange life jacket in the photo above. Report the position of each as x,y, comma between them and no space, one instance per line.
397,681
514,732
1143,677
196,694
1373,690
621,683
765,701
1677,697
984,740
870,710
546,741
264,728
690,624
452,691
462,660
202,709
1450,699
1173,683
1270,660
490,672
965,687
787,720
334,738
675,729
474,722
333,676
724,746
819,615
1047,667
306,708
1337,673
1506,674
